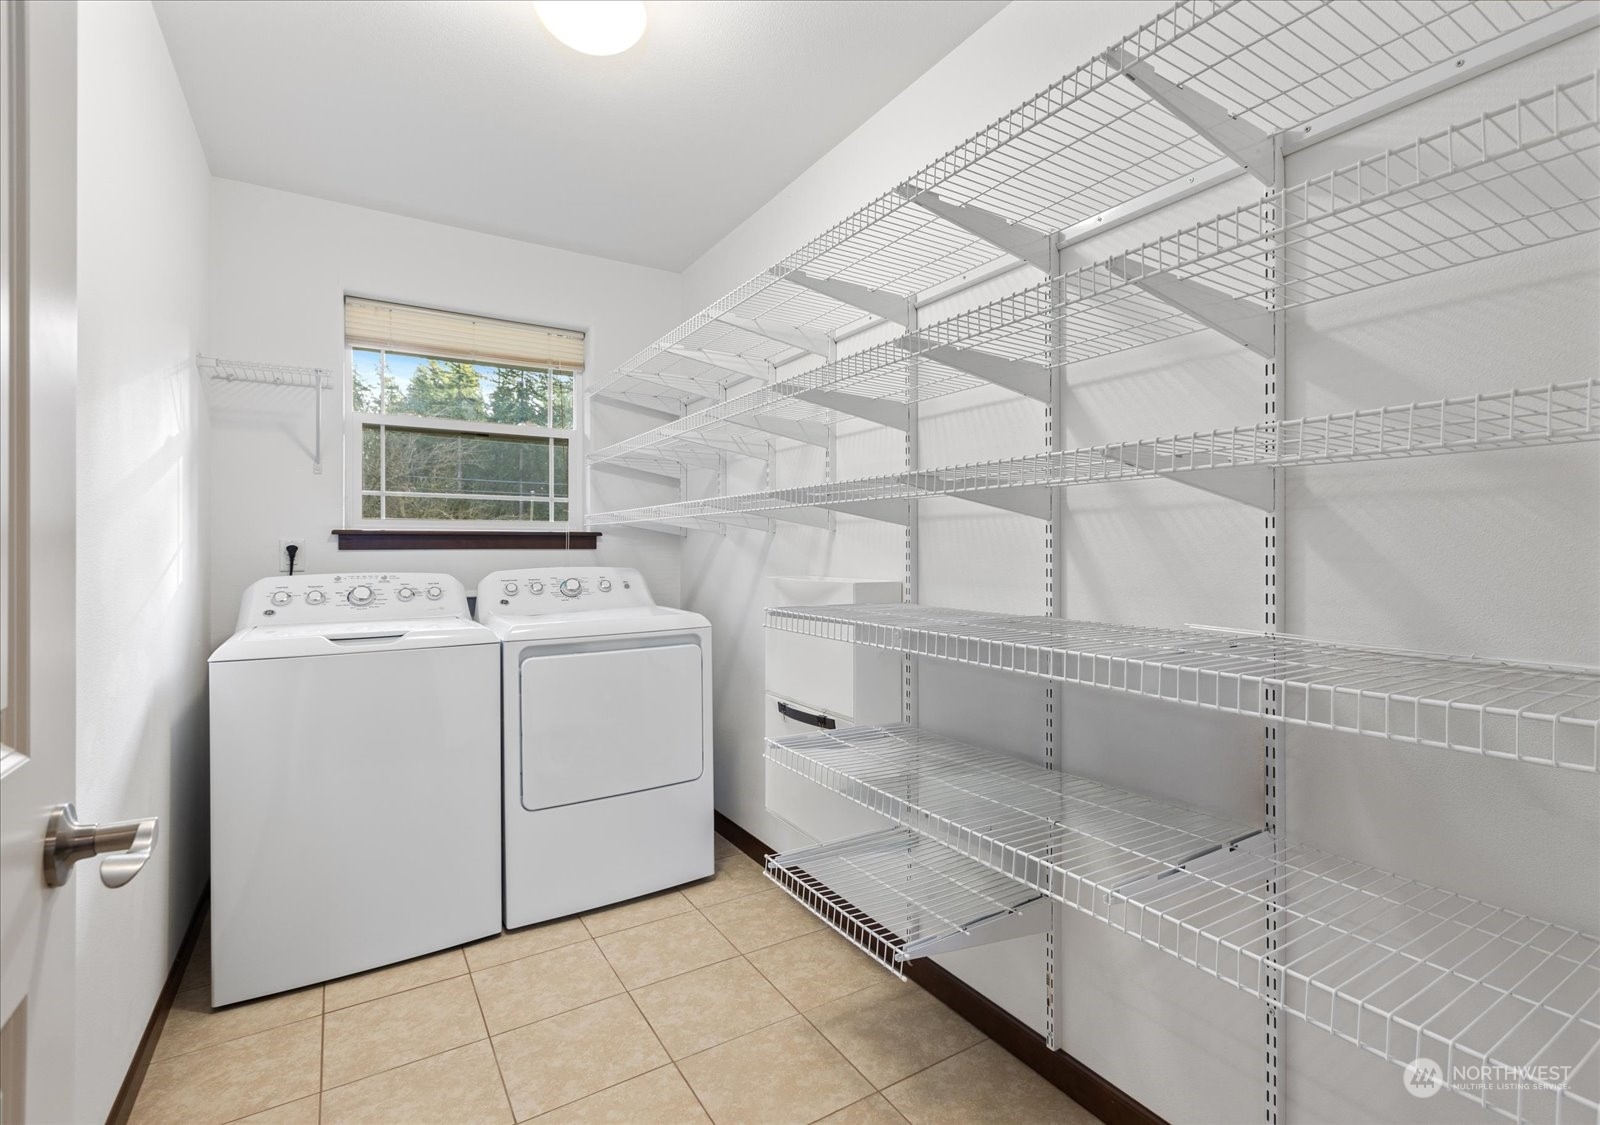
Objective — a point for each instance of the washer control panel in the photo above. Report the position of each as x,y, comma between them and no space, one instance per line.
561,589
314,599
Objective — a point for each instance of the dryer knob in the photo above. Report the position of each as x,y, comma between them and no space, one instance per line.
435,593
510,588
315,597
360,595
535,587
405,593
571,587
605,585
280,597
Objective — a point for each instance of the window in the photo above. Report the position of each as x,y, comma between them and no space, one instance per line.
461,418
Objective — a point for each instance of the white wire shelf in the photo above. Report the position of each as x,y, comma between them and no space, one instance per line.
269,374
897,896
224,372
1517,177
1553,415
1088,144
1399,968
1528,713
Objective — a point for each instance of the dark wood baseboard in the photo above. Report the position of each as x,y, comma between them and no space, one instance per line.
122,1108
1109,1103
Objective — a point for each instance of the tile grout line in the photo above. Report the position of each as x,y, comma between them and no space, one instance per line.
489,1038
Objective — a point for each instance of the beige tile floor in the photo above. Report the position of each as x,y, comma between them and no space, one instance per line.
720,1001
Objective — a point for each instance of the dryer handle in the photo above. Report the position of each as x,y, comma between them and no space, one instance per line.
366,638
811,719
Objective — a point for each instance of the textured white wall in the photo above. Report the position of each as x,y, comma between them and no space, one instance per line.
141,584
279,268
1497,554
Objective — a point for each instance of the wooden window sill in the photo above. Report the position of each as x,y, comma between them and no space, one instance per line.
444,539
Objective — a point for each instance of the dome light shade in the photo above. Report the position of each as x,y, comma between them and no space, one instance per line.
595,27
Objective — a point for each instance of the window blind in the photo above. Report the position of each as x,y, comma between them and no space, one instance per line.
407,328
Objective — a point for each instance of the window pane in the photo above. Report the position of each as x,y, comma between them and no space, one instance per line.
366,383
435,388
371,508
561,400
560,453
460,508
561,513
371,458
430,461
519,396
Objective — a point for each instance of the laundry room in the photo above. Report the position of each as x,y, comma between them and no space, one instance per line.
950,562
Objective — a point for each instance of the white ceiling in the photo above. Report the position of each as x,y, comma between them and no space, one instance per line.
467,112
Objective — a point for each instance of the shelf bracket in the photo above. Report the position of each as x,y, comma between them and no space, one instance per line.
885,511
808,516
1017,239
1239,140
1026,501
878,410
1032,917
665,405
640,408
1249,484
1244,322
732,364
887,306
809,432
1020,376
803,338
647,476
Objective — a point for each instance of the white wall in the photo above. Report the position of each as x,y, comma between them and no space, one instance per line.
141,582
280,266
1497,554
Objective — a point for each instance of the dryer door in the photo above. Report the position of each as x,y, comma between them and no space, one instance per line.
598,724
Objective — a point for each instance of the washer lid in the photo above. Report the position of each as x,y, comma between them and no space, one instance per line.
592,623
342,638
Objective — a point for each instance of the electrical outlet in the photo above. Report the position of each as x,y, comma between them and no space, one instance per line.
283,555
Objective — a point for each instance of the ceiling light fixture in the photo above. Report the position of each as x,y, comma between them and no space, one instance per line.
595,27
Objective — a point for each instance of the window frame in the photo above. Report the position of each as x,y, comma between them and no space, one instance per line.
356,420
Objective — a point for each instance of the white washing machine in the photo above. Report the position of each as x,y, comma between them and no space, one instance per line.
607,729
355,780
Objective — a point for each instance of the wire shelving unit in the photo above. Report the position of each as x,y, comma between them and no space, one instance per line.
1208,93
1521,176
248,372
1093,142
1536,416
897,896
1535,714
1402,969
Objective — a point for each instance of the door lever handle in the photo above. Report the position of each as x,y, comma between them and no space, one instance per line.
66,842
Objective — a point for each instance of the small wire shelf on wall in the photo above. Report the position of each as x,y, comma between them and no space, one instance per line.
220,371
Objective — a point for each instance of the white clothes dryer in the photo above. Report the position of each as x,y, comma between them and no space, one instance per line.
606,701
355,780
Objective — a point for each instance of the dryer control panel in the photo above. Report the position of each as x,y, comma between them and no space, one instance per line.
316,599
561,589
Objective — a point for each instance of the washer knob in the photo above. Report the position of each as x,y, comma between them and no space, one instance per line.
315,597
571,587
280,597
510,588
605,585
405,593
435,593
360,595
535,587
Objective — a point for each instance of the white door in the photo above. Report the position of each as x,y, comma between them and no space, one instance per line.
38,73
599,724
